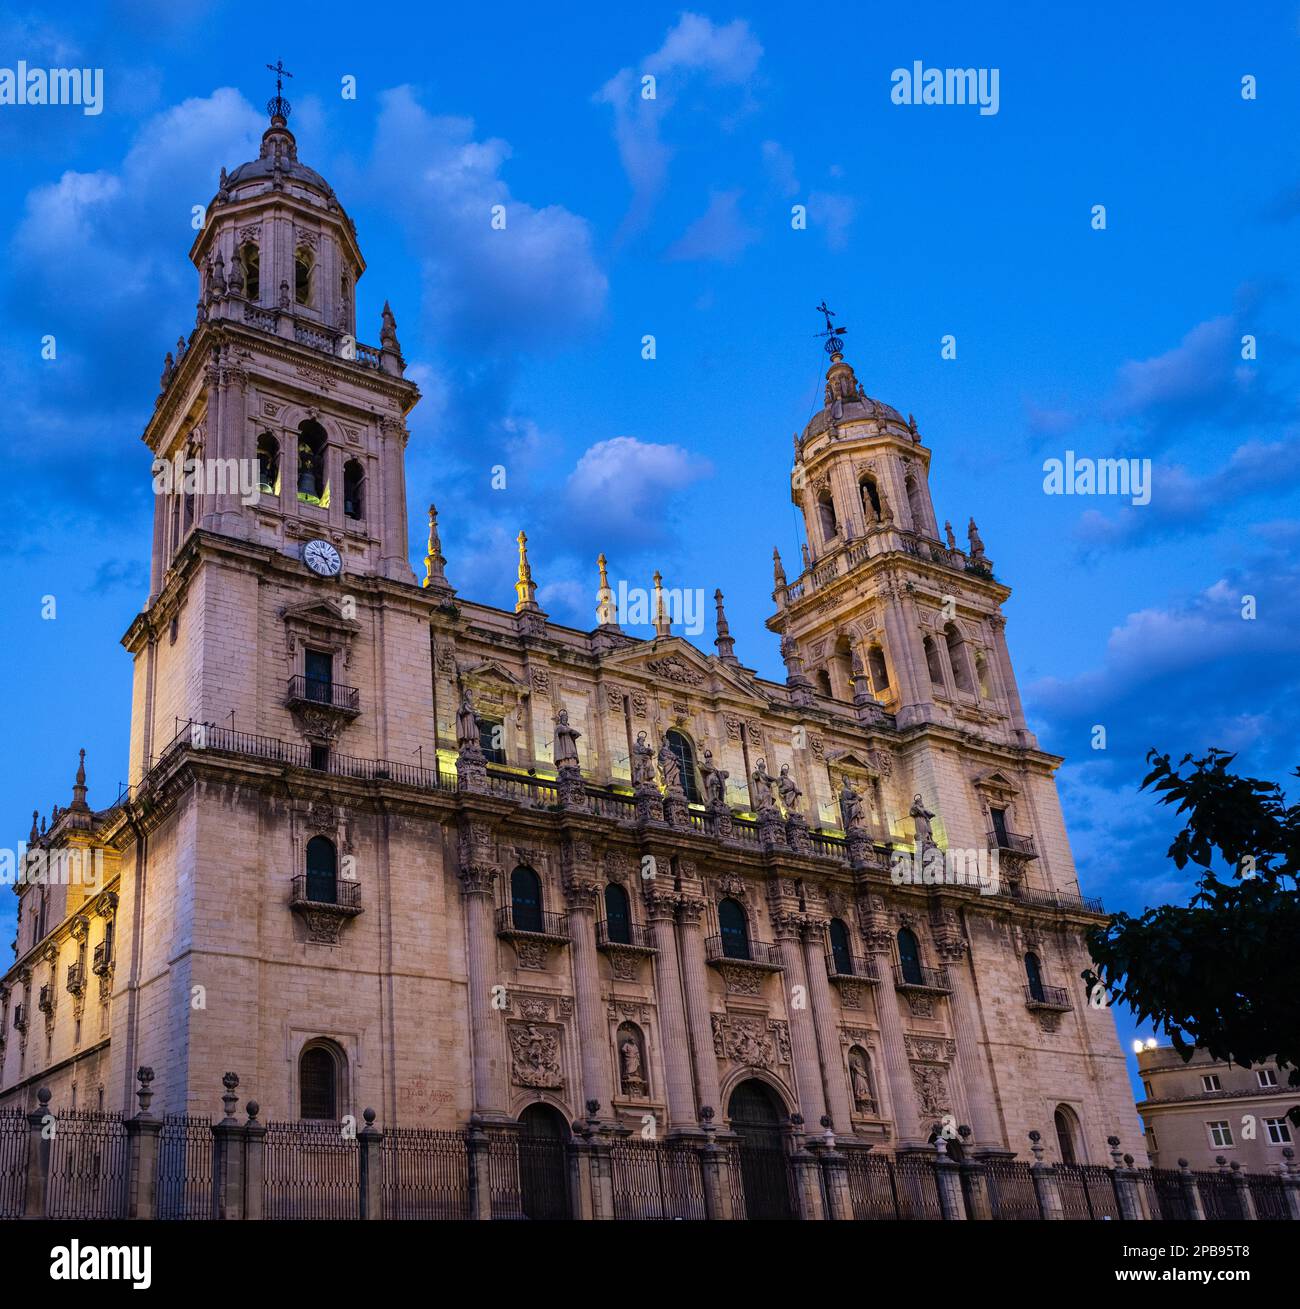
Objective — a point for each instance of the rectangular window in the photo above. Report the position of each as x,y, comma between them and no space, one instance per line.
1220,1133
1266,1076
319,667
999,817
492,740
1210,1082
1279,1131
320,757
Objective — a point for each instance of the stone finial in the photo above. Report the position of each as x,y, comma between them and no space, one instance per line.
168,372
144,1075
1115,1154
778,569
235,282
606,605
34,835
663,625
434,562
43,1097
252,1109
1182,1163
79,785
1036,1146
388,331
948,532
726,645
525,587
229,1099
976,542
218,275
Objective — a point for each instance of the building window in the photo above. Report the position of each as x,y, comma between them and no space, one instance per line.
354,489
1279,1131
1220,1133
915,504
957,657
1034,976
526,900
823,680
1065,1123
841,949
734,929
251,258
302,270
318,665
998,817
909,957
268,464
312,487
1266,1077
826,516
878,670
933,664
492,740
322,871
685,752
870,499
1210,1082
618,920
319,1069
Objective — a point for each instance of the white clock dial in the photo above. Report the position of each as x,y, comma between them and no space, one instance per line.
322,558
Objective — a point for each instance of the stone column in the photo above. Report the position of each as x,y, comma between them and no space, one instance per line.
478,873
803,1038
370,1143
1291,1183
1245,1200
1125,1181
597,1070
834,1078
40,1129
142,1133
480,1185
835,1183
1005,673
898,1070
1046,1187
714,1172
661,909
947,1177
228,1156
1191,1194
696,986
906,672
394,561
975,1081
254,1162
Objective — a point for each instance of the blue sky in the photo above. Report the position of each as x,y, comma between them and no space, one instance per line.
672,218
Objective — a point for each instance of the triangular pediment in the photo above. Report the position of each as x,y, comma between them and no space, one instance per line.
996,780
672,661
320,613
490,673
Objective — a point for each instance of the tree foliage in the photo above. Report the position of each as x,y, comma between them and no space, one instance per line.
1222,972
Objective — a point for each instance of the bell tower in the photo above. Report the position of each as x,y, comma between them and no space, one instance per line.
884,613
279,427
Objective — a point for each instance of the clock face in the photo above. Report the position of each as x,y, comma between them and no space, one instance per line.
322,558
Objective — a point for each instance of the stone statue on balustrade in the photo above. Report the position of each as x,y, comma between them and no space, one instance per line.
566,741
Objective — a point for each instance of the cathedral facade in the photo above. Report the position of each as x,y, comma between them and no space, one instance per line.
385,846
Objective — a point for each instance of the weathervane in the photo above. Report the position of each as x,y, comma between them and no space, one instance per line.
834,343
278,106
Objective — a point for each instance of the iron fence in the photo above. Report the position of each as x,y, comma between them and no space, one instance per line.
14,1134
1087,1191
88,1166
425,1173
654,1179
917,1187
184,1187
871,1185
311,1171
1269,1195
1010,1188
1219,1196
1162,1194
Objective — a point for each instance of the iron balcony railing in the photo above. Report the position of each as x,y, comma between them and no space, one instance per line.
46,1000
515,920
320,691
100,959
1056,899
921,979
1047,997
311,890
859,968
760,953
1013,843
634,935
76,978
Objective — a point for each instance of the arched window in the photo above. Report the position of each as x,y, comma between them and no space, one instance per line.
933,664
1034,975
618,921
916,504
823,680
1065,1122
322,871
878,670
909,957
826,516
251,258
526,899
354,482
268,464
870,498
734,928
957,657
319,1074
312,486
840,666
841,950
302,271
680,746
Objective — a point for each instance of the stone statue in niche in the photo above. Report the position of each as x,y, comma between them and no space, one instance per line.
669,767
790,793
467,737
715,779
864,1099
643,768
566,741
922,817
631,1062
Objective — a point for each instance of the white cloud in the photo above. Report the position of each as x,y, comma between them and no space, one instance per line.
622,478
719,233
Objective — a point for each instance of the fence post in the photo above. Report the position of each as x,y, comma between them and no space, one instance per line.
478,1148
1195,1209
142,1134
1245,1200
370,1145
38,1157
974,1181
947,1177
713,1159
1125,1182
1046,1187
1291,1183
806,1175
600,1165
228,1155
835,1181
254,1163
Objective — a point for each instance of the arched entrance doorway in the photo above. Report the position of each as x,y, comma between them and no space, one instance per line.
756,1115
544,1163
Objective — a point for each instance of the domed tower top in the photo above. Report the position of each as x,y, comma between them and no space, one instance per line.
276,236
